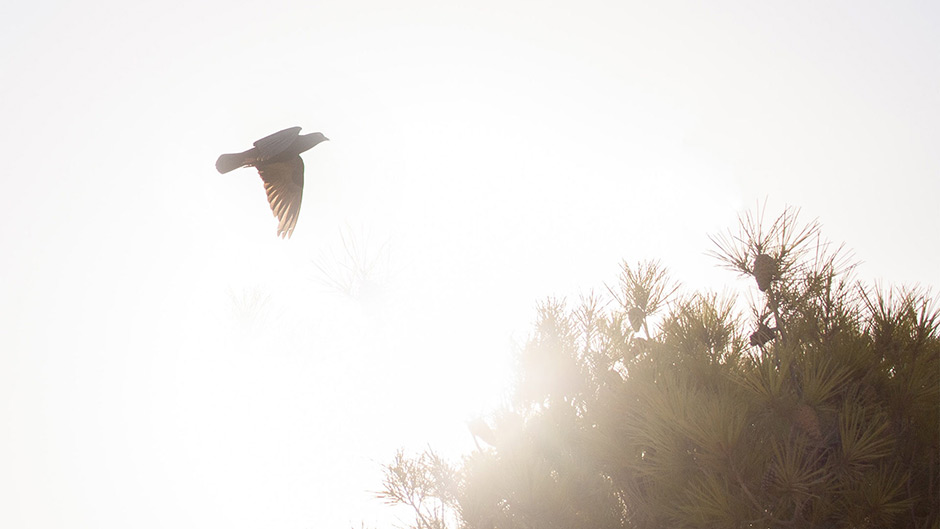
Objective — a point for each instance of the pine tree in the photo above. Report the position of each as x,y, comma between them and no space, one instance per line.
658,410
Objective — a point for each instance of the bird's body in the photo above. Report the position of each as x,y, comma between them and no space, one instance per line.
277,158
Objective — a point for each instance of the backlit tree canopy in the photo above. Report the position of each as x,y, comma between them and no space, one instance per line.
653,408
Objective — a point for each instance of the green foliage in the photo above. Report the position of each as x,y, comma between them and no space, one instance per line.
827,419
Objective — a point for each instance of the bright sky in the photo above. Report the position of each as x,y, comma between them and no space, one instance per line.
166,361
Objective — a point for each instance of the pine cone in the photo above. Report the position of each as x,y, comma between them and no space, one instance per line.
807,420
765,271
763,334
636,316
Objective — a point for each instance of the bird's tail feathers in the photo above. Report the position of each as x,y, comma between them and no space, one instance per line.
230,162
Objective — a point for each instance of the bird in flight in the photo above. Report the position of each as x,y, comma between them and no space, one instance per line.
277,158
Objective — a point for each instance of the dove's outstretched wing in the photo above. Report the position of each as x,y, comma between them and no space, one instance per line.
284,184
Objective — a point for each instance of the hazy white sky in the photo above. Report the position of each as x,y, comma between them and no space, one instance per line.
165,360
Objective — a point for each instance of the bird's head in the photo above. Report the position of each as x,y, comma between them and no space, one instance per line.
308,141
